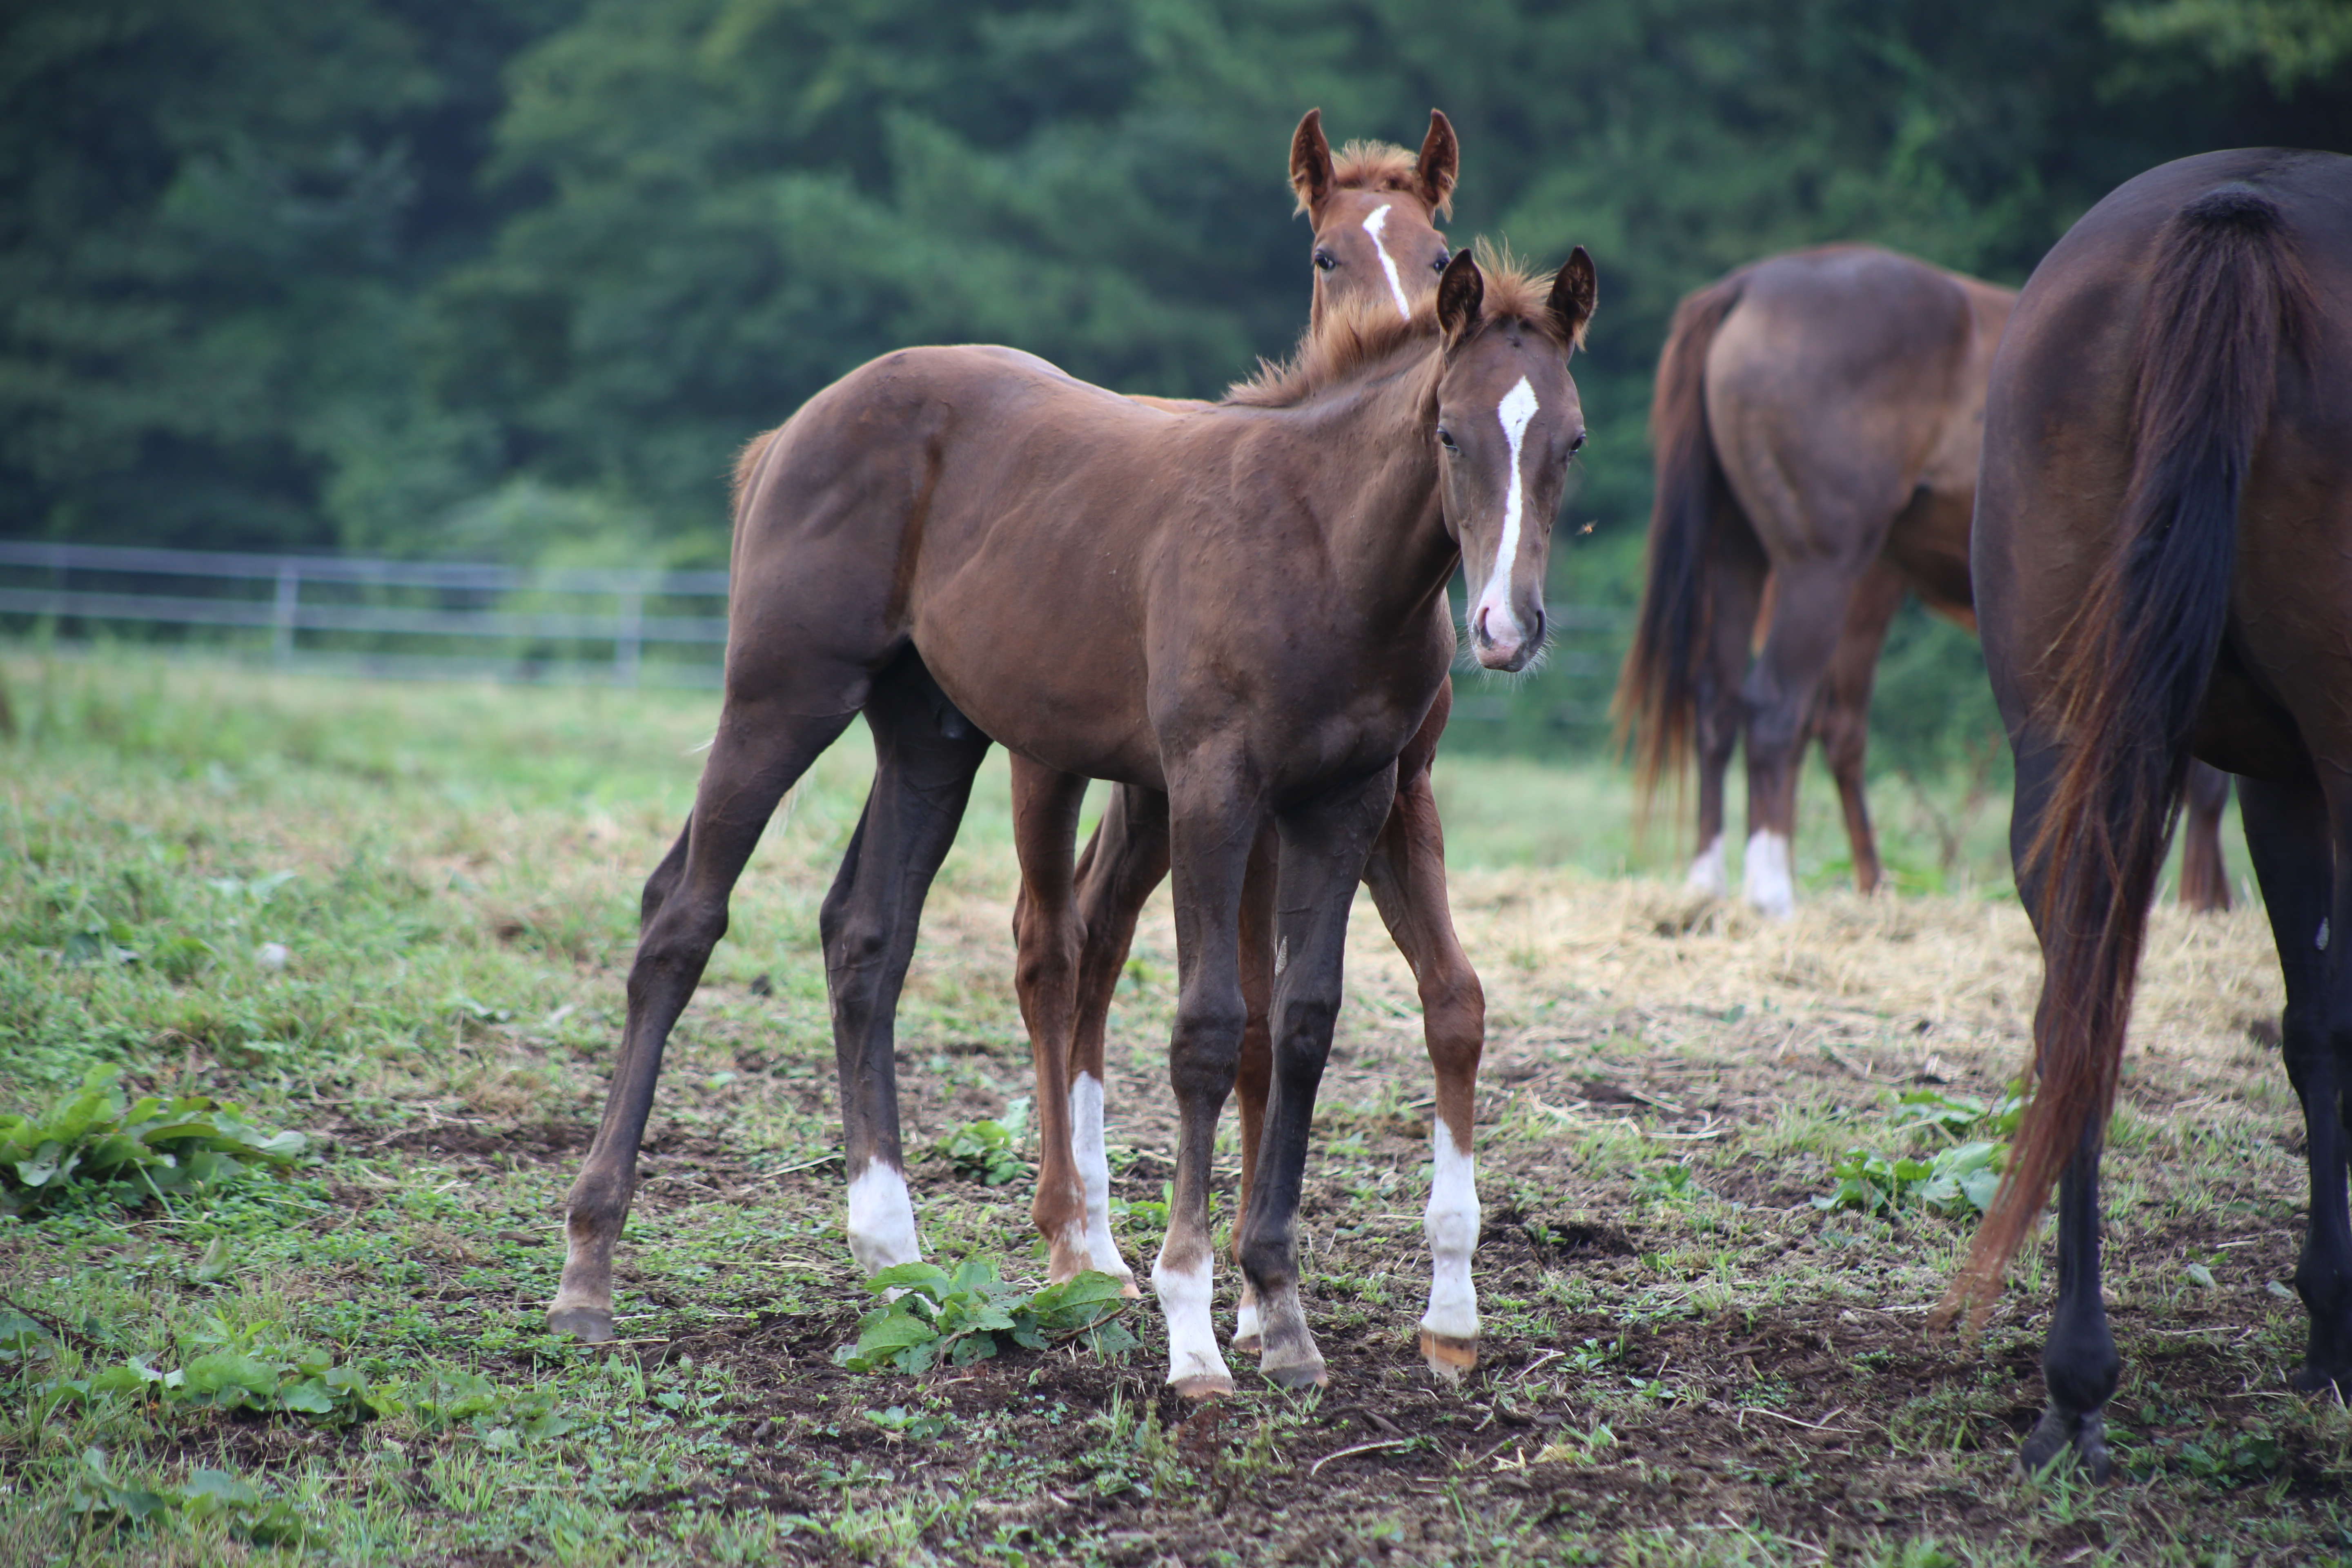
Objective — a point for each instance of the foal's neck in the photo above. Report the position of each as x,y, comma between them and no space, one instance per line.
1384,525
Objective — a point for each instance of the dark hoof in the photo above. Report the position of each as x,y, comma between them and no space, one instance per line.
1298,1374
2315,1379
2058,1439
1203,1387
1448,1357
590,1325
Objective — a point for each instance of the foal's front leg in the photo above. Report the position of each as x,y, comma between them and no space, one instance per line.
1213,821
1324,844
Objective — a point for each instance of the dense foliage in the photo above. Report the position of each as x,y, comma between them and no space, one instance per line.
515,278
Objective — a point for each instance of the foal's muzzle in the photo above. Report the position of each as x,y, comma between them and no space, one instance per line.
1501,642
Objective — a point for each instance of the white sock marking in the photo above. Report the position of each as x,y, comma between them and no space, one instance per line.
1707,874
1768,879
1517,409
1372,226
1094,1175
1245,1319
1451,1224
1184,1296
881,1220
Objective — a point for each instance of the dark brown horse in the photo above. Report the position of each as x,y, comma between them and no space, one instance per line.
1816,420
1373,211
1241,608
2163,562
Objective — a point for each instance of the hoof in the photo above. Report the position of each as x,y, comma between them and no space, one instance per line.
1249,1345
2320,1380
1203,1388
1448,1357
590,1325
1299,1374
1129,1288
2059,1440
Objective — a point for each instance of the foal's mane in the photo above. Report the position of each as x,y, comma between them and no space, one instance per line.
1363,166
1367,332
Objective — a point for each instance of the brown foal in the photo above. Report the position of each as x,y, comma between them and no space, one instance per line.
1817,419
1373,211
1240,608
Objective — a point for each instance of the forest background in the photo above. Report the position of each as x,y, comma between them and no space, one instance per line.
513,279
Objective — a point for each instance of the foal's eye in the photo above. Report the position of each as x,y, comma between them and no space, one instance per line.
1325,261
1440,264
1445,439
1576,446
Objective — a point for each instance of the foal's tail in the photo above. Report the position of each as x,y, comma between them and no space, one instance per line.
1658,695
2227,298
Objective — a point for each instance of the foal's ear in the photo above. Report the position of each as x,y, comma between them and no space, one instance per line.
1311,164
1573,294
1438,166
1460,293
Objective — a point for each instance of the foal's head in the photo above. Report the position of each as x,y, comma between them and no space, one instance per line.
1375,210
1508,423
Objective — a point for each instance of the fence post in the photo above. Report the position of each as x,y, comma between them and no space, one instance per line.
628,637
281,617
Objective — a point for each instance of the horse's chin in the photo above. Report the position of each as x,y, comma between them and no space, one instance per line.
1505,660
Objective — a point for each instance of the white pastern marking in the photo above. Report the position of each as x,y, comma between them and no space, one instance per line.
2320,942
1517,410
1707,874
1451,1224
1184,1294
1372,226
1246,1321
881,1220
1094,1175
1767,879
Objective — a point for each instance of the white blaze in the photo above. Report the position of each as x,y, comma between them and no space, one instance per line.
1184,1301
1706,873
1767,879
1094,1175
1372,226
1494,608
1451,1224
881,1220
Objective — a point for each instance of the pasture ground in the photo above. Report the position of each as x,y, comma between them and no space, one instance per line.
1686,1361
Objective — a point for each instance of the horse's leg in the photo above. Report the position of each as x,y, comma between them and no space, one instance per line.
1406,872
2204,880
1254,1074
925,754
663,882
1047,938
1213,821
763,746
2287,837
1842,718
1324,846
1125,859
1735,571
1809,611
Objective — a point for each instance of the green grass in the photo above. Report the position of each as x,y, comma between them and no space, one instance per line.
451,872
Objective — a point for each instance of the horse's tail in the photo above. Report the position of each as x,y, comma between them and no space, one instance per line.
2227,297
1658,690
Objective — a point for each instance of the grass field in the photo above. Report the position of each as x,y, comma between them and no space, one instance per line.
398,920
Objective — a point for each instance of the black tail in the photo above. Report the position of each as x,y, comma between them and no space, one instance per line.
1658,690
2227,298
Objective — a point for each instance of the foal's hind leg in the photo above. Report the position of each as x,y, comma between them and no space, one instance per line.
762,748
1324,845
924,755
2204,879
1047,937
1842,719
1406,872
1123,862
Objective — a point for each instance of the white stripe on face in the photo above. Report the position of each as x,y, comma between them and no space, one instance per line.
1517,410
1372,226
